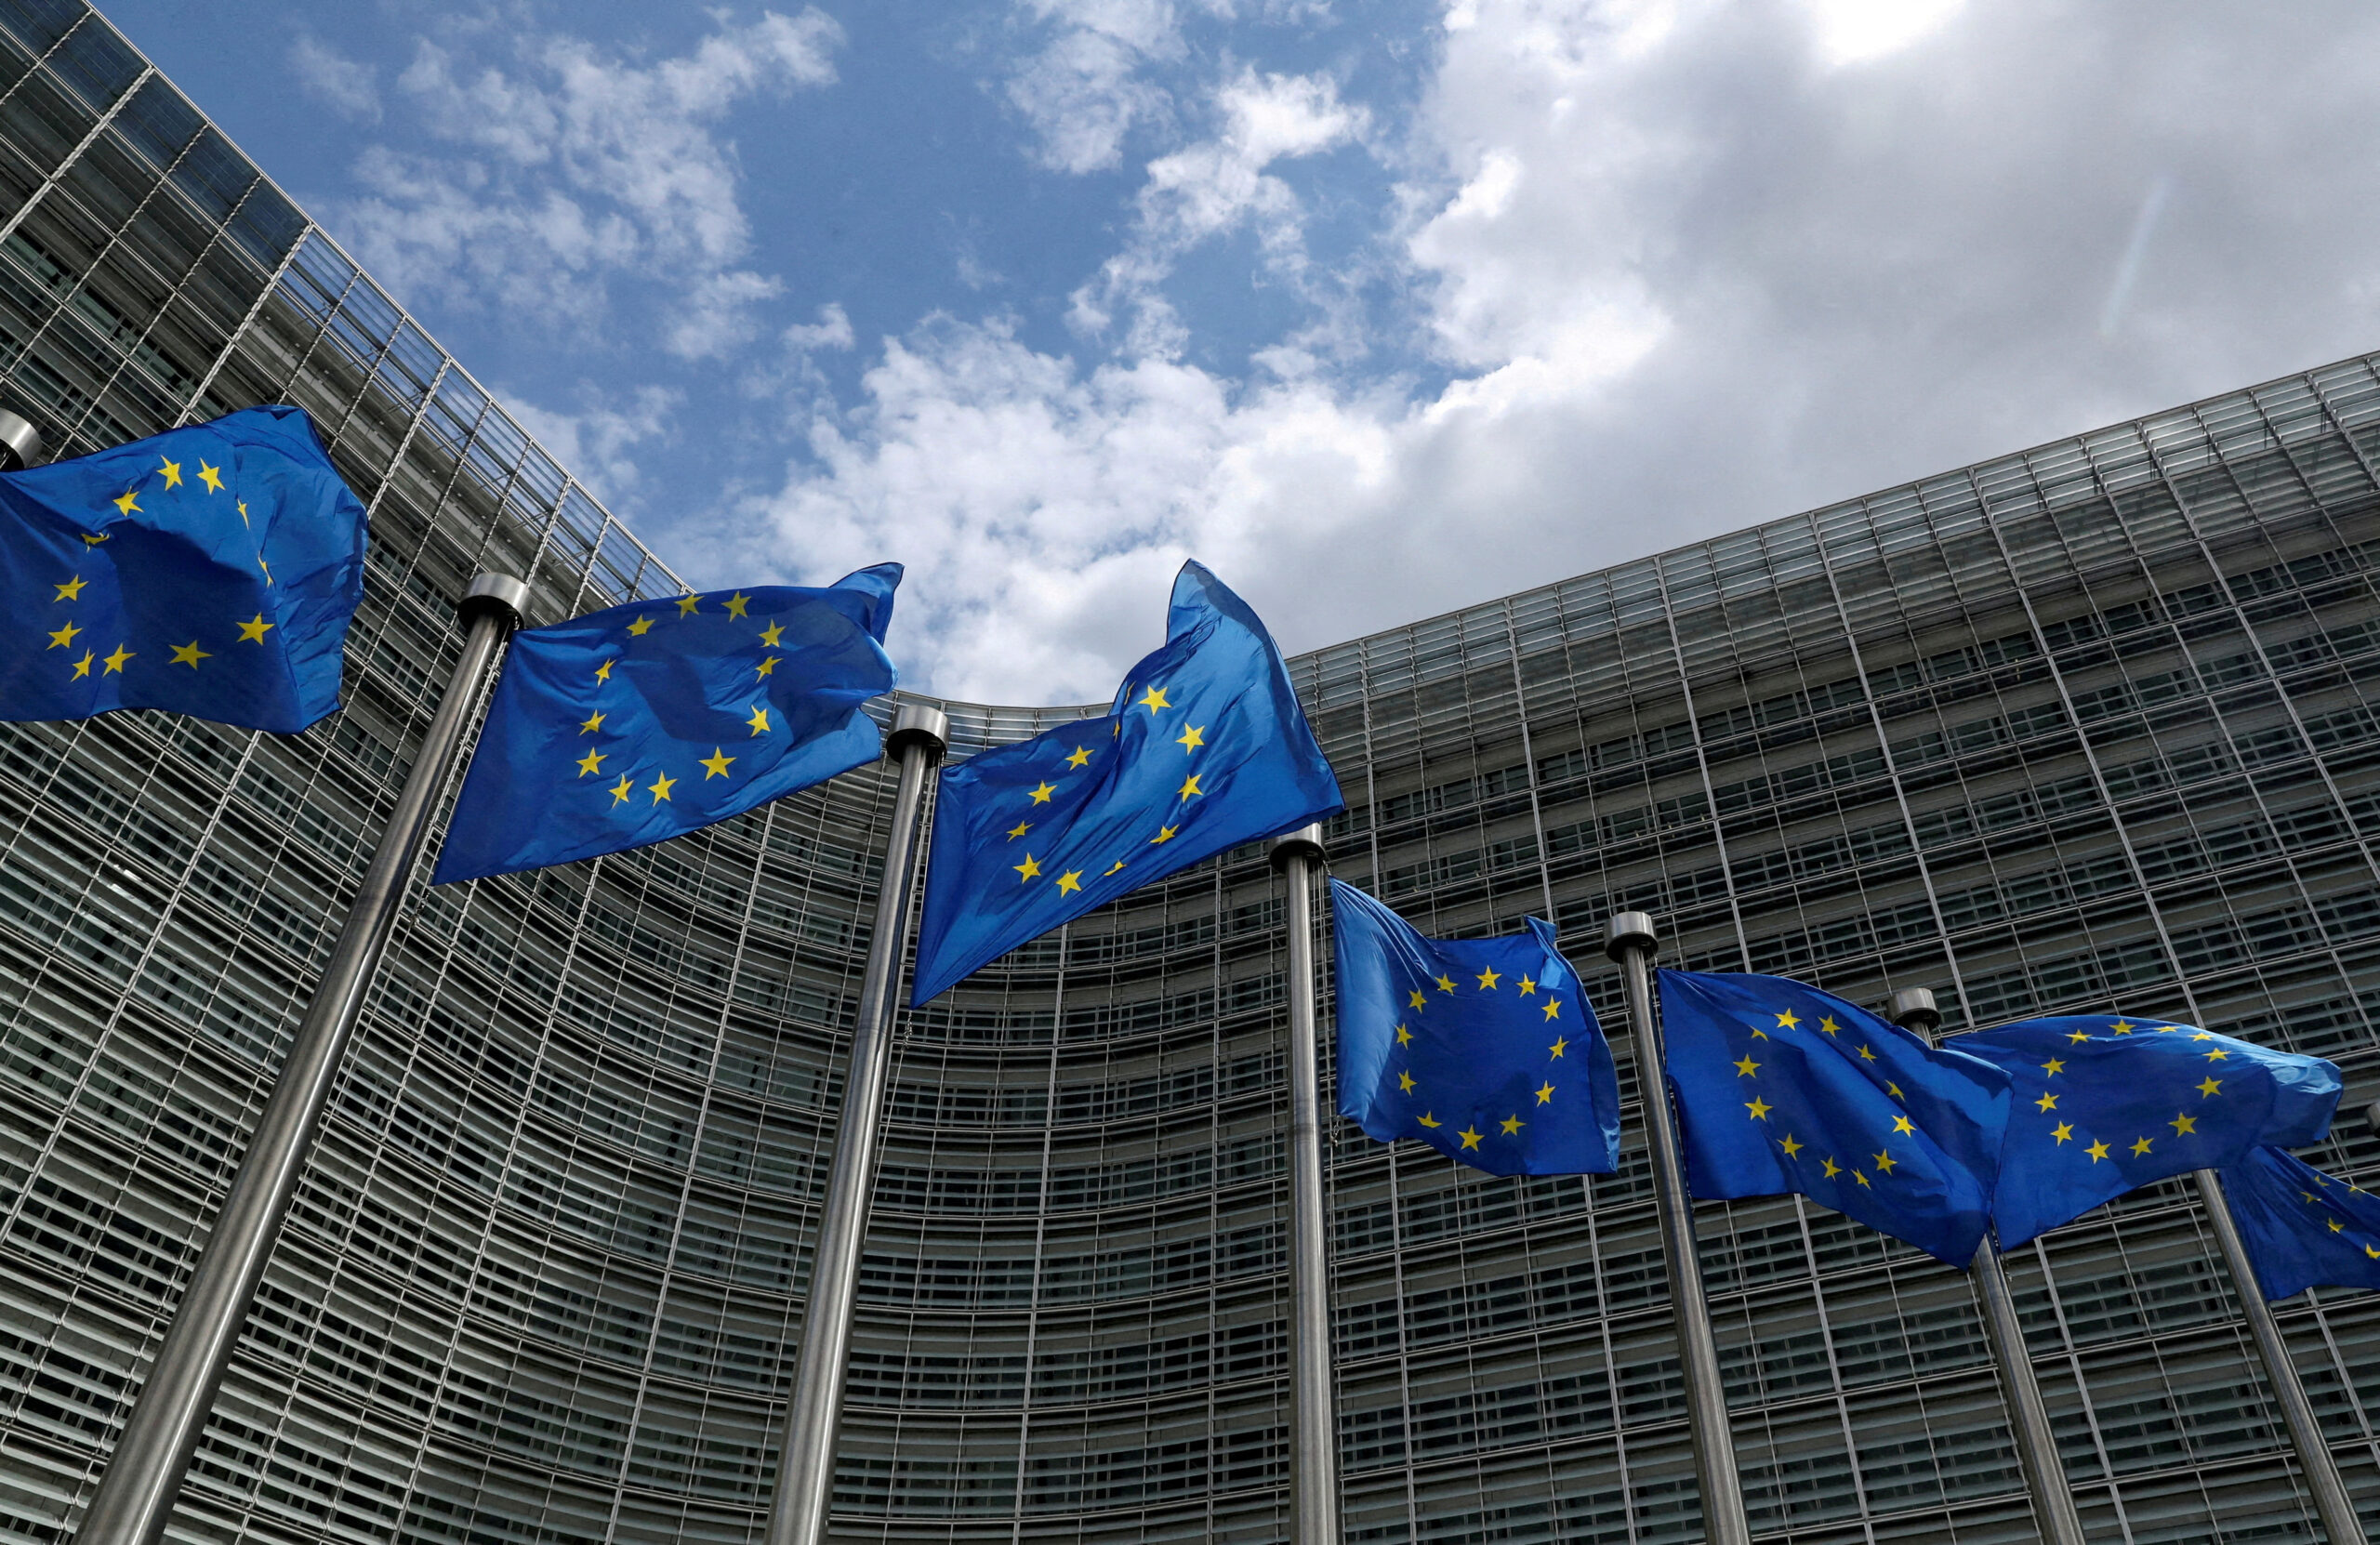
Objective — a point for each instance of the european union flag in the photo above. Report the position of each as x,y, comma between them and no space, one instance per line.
1205,747
2303,1228
1484,1049
2102,1105
1784,1087
210,571
649,721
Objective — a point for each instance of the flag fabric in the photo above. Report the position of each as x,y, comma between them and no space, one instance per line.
209,571
1486,1049
2303,1228
2101,1103
646,721
1782,1088
1205,748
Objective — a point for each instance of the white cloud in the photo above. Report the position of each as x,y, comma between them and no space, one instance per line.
1217,186
568,167
1853,32
1084,89
596,443
1681,272
336,81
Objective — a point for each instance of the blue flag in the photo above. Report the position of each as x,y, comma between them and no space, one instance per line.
1205,747
646,721
2101,1104
1782,1088
210,571
2303,1228
1484,1049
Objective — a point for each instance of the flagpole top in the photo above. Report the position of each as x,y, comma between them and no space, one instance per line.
20,443
1629,930
494,595
918,724
1913,1009
1305,842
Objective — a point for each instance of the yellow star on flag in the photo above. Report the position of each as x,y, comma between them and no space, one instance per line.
620,790
640,627
2079,1036
2139,1146
686,605
1828,1025
1030,868
1470,1138
1041,794
83,666
1791,1145
2054,1067
1488,979
1903,1124
594,722
604,671
1078,759
1019,830
189,654
772,636
1415,997
1788,1020
2184,1126
1405,1082
115,661
173,471
767,666
1560,1045
1429,1120
1192,737
1528,988
64,637
736,602
1189,787
2211,1086
72,589
1545,1095
211,476
759,721
1404,1036
715,765
1446,983
2097,1151
1553,1008
1152,699
1164,834
1759,1108
2046,1102
1747,1068
2063,1131
1513,1125
591,762
660,787
1866,1055
1070,882
1885,1162
1830,1168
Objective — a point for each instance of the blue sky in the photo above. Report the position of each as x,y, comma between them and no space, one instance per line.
1380,310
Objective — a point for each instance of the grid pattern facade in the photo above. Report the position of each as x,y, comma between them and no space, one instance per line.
2083,728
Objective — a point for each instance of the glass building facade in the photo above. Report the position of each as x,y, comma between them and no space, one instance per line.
2083,728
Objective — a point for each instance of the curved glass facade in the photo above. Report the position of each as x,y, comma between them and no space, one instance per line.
2085,727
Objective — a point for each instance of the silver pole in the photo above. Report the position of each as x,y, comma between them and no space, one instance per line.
20,443
2321,1472
1629,940
806,1464
144,1474
2054,1513
1314,1466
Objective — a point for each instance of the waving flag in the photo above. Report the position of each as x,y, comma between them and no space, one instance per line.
646,721
1205,747
1484,1049
1782,1088
2303,1228
2102,1103
210,571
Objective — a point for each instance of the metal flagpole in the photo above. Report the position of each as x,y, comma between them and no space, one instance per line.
2331,1504
1314,1470
806,1464
144,1474
2054,1513
1629,940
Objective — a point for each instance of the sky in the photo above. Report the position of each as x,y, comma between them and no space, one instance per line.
1378,309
